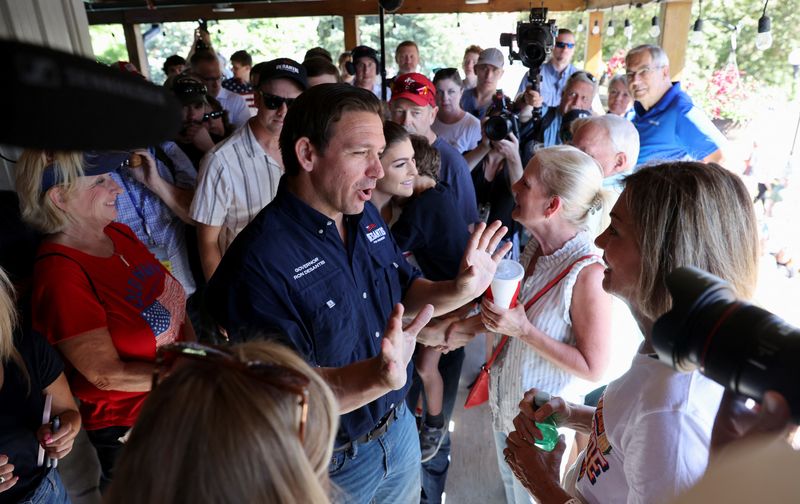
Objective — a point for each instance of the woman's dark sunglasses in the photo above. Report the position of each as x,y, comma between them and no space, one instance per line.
273,375
273,102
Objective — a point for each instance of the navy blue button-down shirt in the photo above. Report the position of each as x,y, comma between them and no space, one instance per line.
289,272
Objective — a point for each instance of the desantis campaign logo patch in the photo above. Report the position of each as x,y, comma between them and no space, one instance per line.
375,234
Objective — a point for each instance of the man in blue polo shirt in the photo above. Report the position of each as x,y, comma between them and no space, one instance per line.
670,126
319,268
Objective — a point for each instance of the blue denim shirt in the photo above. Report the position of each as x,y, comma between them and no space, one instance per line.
289,273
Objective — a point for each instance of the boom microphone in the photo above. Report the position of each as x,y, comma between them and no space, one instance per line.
62,101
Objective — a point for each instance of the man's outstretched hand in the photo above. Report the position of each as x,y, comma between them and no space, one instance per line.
481,257
398,344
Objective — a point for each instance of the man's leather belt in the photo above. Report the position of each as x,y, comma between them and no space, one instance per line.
380,429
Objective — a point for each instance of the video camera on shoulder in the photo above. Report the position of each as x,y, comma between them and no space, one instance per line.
744,348
501,123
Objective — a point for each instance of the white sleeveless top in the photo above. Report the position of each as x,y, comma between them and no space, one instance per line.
519,367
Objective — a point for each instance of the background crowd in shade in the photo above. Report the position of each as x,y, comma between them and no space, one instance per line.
442,38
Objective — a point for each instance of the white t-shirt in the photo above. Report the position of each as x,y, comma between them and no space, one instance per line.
463,135
237,179
650,435
236,105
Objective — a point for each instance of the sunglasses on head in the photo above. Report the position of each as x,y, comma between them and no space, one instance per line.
280,377
273,102
563,45
414,87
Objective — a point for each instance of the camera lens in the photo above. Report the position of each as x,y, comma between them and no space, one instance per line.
497,128
743,347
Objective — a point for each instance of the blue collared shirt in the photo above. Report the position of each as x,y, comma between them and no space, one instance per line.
151,219
675,129
289,273
552,84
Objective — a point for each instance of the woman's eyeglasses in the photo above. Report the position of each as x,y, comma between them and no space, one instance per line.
212,115
273,102
273,375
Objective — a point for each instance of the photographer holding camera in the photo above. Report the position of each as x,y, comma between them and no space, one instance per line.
651,432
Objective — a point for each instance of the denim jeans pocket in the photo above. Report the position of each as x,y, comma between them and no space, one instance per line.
338,461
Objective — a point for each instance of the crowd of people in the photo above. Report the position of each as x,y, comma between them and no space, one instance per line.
273,305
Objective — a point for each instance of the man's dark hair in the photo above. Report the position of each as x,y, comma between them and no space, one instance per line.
426,156
173,61
564,31
318,52
203,56
242,57
317,66
315,113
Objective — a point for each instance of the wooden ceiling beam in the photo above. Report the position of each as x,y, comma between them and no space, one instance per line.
315,8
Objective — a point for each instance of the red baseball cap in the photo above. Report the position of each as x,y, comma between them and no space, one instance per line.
414,87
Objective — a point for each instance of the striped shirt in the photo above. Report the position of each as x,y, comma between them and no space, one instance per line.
520,367
237,179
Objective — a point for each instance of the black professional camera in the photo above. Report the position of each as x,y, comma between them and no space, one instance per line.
743,347
202,26
535,40
501,123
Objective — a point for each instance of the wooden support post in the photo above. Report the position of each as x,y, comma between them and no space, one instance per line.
676,19
135,45
594,44
350,31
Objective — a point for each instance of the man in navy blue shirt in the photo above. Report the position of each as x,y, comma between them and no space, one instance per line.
670,126
413,106
319,268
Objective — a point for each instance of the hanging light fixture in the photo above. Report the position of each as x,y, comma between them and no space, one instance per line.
596,28
764,36
580,27
655,29
627,30
610,29
697,29
458,20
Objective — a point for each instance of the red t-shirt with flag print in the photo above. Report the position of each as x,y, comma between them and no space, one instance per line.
130,293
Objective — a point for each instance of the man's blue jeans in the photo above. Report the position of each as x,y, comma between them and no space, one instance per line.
384,470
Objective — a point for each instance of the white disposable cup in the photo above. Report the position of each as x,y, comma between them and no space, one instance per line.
505,285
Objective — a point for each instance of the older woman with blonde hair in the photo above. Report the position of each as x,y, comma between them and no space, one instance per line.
250,423
99,295
30,370
651,431
560,342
